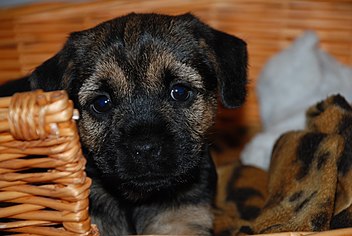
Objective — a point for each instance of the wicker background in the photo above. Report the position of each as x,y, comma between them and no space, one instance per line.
33,33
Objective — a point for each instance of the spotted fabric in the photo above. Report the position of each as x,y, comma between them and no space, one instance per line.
308,186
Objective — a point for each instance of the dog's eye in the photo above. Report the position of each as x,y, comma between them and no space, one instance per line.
180,93
101,104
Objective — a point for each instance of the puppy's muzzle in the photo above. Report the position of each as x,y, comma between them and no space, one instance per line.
145,147
147,141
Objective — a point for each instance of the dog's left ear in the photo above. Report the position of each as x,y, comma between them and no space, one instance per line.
232,60
55,72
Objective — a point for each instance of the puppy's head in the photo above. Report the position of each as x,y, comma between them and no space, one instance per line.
146,86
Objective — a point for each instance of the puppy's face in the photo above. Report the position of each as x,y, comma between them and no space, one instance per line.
146,86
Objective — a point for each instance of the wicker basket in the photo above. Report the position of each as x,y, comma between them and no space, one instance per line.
43,186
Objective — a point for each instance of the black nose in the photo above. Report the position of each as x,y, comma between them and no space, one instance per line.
145,150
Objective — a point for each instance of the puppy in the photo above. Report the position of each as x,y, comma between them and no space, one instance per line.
147,86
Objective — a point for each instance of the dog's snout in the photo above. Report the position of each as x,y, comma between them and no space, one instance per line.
145,142
146,150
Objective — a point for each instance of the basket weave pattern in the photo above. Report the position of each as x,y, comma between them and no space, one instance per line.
43,186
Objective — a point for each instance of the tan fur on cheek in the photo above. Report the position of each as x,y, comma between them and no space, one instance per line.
107,72
91,132
176,221
200,117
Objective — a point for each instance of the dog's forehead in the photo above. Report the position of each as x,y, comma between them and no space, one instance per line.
138,27
137,35
140,49
110,73
134,31
144,35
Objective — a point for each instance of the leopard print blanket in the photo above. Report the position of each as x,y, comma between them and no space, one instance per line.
308,186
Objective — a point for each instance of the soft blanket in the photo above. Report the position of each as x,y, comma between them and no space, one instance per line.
308,186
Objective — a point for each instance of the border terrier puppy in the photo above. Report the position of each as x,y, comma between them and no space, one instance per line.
146,86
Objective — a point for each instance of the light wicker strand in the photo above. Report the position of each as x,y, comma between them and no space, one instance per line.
26,117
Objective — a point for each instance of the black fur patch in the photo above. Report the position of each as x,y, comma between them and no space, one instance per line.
246,230
296,196
306,201
341,102
320,221
342,220
240,196
322,158
306,150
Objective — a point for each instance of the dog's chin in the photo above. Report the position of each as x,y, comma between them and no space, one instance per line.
147,186
137,179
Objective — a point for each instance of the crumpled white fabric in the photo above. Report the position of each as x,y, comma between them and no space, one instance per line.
293,80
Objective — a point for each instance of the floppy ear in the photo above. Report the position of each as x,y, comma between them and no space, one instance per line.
14,86
231,53
49,75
